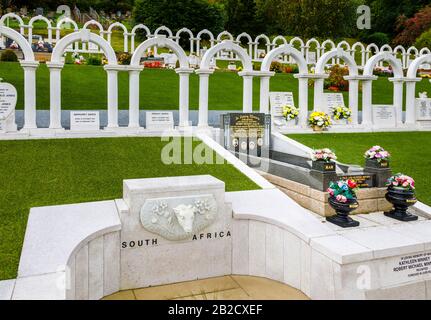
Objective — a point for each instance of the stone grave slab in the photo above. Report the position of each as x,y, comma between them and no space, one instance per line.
84,120
277,101
8,100
423,111
159,120
384,116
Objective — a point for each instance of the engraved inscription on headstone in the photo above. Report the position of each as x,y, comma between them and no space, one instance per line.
278,100
247,133
334,100
8,99
363,181
413,266
384,116
159,120
423,109
84,120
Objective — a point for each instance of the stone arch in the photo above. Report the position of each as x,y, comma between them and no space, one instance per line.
308,47
286,49
184,72
370,47
386,48
205,71
347,48
191,38
397,68
352,78
29,65
125,34
326,43
250,42
222,34
401,50
199,38
60,23
411,87
424,51
363,52
94,23
12,15
256,45
55,66
30,27
133,35
164,28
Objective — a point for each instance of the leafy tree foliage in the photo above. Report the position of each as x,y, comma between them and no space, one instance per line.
193,14
412,28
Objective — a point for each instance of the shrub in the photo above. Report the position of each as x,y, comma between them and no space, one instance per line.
9,55
424,41
411,29
94,61
336,79
276,67
379,38
124,58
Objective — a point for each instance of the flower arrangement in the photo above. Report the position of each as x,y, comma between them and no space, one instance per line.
401,181
319,119
290,112
377,153
341,113
343,190
326,155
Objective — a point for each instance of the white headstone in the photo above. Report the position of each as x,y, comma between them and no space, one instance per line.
84,120
278,100
312,58
384,116
8,99
334,100
159,120
423,111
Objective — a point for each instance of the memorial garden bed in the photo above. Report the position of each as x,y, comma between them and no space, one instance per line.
410,152
61,171
84,87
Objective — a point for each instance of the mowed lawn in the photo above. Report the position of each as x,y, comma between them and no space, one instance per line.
84,87
411,152
49,172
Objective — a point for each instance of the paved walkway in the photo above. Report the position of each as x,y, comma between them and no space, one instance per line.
220,288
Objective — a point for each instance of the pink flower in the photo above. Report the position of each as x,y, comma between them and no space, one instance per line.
330,191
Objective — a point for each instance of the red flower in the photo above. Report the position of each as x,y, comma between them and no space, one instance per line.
352,184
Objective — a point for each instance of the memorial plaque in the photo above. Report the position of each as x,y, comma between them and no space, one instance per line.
84,120
384,116
423,109
312,58
247,133
159,120
8,99
362,180
278,100
334,100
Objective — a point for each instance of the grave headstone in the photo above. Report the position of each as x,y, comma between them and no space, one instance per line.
8,99
312,58
423,111
159,120
246,133
333,100
384,116
39,11
277,101
84,121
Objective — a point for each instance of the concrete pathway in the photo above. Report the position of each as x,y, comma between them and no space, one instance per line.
220,288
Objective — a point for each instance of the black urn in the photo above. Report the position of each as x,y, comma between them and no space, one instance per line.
401,199
343,209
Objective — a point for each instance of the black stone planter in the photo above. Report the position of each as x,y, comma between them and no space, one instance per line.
343,210
323,166
373,163
401,199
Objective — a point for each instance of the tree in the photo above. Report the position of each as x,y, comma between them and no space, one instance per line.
241,16
176,14
412,28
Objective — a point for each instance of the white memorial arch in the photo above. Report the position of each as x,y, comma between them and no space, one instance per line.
191,38
30,27
411,80
249,42
65,20
400,50
3,20
199,39
204,71
133,35
355,47
353,79
121,26
308,46
183,71
256,45
56,65
303,77
29,65
367,82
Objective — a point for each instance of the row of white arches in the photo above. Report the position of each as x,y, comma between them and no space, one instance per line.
112,68
252,45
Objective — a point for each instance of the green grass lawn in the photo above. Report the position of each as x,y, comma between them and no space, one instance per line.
84,87
411,152
49,172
